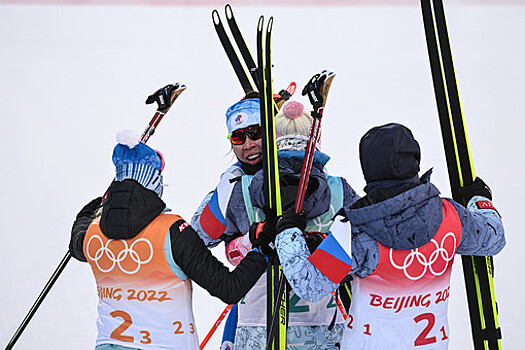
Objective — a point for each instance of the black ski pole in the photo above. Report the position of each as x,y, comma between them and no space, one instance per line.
164,97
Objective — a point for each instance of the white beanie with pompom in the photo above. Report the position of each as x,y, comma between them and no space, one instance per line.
292,127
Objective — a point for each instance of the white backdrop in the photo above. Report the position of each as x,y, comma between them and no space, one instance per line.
71,77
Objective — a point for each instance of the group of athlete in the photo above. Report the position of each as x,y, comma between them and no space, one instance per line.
401,237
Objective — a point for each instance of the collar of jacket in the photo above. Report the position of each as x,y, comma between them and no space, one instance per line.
319,157
128,209
318,195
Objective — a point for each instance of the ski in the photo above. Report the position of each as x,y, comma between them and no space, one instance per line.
246,71
477,270
239,69
241,43
276,333
165,97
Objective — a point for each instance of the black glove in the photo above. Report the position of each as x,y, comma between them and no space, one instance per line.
90,209
262,234
80,227
290,219
477,188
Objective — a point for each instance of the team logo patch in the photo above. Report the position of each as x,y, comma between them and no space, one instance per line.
487,205
183,226
240,119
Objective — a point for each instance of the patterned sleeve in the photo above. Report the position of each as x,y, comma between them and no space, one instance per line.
482,231
306,280
350,196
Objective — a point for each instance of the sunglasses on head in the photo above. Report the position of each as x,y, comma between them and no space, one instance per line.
238,137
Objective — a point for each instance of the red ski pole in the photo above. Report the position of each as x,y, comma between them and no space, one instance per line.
215,326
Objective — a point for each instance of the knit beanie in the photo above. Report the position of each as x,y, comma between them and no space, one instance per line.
292,127
134,160
243,114
389,152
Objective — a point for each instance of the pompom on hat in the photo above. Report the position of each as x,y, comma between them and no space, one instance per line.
292,127
135,160
243,114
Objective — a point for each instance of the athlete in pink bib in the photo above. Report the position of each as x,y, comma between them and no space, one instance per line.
403,243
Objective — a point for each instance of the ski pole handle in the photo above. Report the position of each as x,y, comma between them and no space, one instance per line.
215,326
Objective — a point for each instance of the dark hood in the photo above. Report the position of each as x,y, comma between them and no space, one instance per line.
318,196
128,209
407,220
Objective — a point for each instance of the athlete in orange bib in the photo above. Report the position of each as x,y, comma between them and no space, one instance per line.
144,259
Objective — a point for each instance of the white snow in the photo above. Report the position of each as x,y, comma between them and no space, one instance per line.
72,76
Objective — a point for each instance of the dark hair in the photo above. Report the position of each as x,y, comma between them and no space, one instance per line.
251,94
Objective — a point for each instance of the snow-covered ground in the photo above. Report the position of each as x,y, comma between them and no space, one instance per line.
72,76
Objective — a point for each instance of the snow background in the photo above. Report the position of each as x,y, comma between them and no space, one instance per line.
73,76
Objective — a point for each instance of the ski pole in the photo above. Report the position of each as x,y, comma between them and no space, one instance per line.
164,97
215,326
340,305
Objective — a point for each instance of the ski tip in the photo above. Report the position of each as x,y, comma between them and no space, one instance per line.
270,25
228,11
260,24
215,17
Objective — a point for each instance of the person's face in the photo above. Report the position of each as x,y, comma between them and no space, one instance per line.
249,151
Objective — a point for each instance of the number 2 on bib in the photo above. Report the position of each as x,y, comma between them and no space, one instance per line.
423,338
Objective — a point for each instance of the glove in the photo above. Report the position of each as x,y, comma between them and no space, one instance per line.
90,209
262,235
290,219
477,188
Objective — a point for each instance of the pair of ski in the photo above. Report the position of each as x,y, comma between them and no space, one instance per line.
164,97
245,70
477,270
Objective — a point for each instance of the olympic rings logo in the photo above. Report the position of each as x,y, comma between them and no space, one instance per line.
104,250
318,222
427,264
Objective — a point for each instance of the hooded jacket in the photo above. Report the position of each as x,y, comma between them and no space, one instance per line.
129,208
